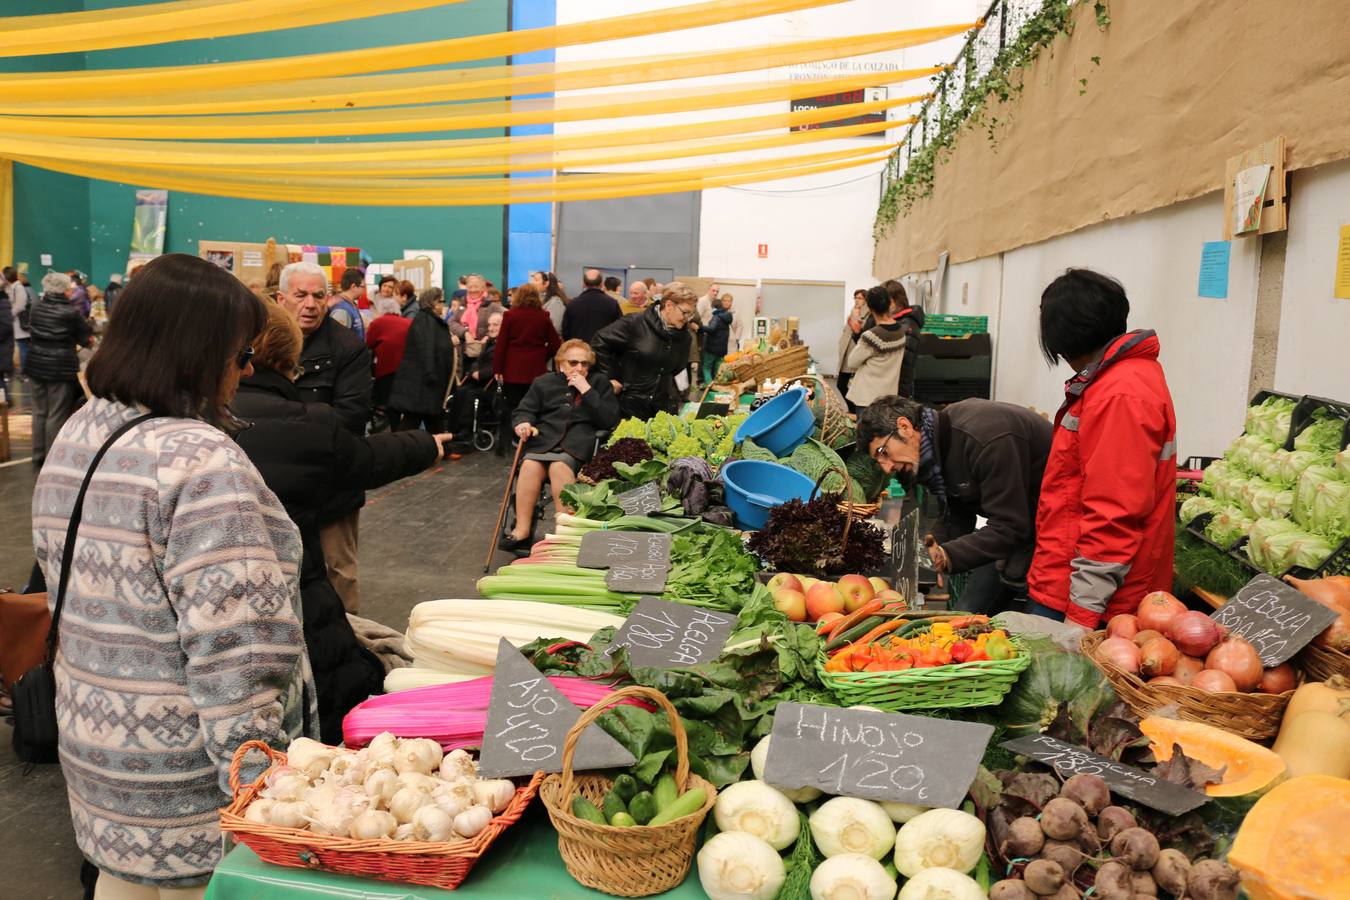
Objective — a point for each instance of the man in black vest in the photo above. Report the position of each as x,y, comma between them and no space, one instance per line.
590,310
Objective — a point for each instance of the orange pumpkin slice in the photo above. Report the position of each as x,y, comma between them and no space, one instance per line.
1247,767
1292,842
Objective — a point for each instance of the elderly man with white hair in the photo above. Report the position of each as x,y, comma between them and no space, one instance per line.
334,369
57,328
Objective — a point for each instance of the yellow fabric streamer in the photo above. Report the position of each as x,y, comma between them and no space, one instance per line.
224,76
461,192
444,85
6,210
448,117
180,20
185,153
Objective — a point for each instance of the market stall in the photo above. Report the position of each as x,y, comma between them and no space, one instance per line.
714,679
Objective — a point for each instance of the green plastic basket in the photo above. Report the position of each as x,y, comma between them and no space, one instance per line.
981,683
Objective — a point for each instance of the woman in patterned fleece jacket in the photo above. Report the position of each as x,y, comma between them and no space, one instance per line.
181,635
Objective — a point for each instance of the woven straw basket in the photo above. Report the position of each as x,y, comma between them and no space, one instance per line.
627,862
1320,663
440,864
1253,716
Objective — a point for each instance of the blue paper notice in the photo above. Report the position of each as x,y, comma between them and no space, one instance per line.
1214,269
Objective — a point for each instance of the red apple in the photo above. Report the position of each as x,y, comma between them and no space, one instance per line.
786,580
822,598
878,584
790,603
857,590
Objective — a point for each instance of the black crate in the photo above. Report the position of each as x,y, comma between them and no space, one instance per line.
1303,416
1338,563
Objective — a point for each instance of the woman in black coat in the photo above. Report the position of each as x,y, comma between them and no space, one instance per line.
423,377
643,354
307,458
558,419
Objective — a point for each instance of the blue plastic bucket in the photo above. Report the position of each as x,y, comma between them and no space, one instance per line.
753,487
781,425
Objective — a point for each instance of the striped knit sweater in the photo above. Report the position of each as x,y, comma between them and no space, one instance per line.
180,638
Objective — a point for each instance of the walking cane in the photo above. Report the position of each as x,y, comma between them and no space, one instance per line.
501,511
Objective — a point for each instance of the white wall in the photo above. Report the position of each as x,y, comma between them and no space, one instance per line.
1314,325
817,227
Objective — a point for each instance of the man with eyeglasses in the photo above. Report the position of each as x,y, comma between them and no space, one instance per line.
334,369
981,459
645,355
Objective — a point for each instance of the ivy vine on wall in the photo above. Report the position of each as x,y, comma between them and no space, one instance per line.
1004,80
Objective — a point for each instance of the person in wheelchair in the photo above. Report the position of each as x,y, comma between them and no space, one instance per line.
558,419
473,386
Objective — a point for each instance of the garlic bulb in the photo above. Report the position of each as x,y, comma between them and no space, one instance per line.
331,820
259,811
431,823
417,755
380,751
457,765
472,820
309,756
348,768
381,785
289,786
321,795
496,794
455,797
373,824
416,780
289,813
405,832
405,804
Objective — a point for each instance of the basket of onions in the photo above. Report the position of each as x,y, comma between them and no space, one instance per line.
1166,655
396,810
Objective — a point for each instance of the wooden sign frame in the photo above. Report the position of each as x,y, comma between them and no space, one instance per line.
1275,203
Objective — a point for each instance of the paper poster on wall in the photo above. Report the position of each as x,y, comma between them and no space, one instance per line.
1214,257
437,259
1343,265
1249,196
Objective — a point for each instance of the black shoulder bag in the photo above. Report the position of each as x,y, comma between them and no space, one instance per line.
35,692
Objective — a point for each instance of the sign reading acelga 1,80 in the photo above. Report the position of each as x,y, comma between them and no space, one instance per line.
874,755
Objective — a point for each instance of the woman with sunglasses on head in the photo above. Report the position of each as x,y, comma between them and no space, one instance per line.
558,419
180,623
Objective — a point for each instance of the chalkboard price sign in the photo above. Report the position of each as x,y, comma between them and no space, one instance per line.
640,501
1127,781
643,578
1277,619
528,719
874,755
602,549
673,636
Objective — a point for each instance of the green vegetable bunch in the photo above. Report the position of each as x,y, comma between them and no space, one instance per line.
663,429
628,428
684,445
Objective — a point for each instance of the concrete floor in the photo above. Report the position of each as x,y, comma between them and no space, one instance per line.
422,538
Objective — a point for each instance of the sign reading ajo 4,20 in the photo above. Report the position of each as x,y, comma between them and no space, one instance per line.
1277,619
874,755
672,635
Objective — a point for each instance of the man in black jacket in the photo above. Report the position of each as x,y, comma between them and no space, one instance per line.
336,370
590,310
645,355
53,367
981,458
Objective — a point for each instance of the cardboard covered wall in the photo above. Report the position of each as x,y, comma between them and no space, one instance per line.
1180,88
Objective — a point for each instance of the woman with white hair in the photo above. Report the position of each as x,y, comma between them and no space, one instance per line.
57,329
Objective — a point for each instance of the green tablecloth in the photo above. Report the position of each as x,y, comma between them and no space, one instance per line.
523,863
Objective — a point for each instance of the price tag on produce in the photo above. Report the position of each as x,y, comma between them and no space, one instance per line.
528,719
1127,781
602,549
1276,618
639,578
673,636
875,755
640,501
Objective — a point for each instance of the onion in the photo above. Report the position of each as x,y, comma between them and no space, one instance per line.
1143,637
1119,652
1213,680
1332,592
1195,633
1158,657
1165,679
1277,680
1157,610
1124,625
1238,659
1187,668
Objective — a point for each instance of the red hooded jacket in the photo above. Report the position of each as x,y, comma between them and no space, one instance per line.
1105,521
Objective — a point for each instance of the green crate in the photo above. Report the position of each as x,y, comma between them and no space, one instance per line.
951,325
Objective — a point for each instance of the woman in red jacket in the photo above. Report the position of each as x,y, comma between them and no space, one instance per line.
525,345
1104,524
